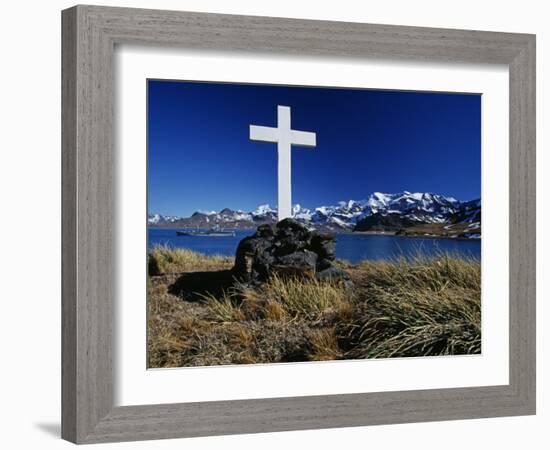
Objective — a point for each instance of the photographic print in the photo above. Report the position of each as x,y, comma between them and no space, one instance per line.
298,224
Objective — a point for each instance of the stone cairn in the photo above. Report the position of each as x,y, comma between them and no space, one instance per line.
289,249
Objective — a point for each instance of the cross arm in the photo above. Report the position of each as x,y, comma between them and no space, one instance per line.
264,134
303,138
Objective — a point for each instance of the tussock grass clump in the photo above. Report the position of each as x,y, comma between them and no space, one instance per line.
325,345
420,307
306,298
165,260
421,272
279,299
224,309
400,308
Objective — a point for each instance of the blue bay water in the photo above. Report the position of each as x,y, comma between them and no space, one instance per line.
349,246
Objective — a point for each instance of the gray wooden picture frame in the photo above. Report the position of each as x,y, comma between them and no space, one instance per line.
89,37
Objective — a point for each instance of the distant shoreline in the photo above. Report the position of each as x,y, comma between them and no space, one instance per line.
349,232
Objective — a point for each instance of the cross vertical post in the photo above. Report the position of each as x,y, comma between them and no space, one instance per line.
284,173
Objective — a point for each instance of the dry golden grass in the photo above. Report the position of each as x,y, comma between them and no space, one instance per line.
419,307
324,343
224,309
299,297
275,312
177,260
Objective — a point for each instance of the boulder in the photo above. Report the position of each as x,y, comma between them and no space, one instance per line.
323,264
265,231
289,249
332,273
302,258
324,245
300,263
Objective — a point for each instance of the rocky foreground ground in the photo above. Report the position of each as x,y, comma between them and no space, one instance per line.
217,310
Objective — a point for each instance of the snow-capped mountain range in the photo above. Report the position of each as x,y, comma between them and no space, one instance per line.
379,212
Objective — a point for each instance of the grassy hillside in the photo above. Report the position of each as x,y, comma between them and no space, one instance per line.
420,307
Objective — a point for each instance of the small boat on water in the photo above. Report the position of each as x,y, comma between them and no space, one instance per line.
213,232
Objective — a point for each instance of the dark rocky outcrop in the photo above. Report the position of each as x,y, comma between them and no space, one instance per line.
153,268
384,222
290,249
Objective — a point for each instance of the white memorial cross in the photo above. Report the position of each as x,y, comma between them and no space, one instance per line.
285,137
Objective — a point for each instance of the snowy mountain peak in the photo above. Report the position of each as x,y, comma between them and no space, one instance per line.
413,207
300,213
263,209
155,219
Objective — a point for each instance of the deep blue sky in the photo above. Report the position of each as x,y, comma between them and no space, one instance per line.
200,156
